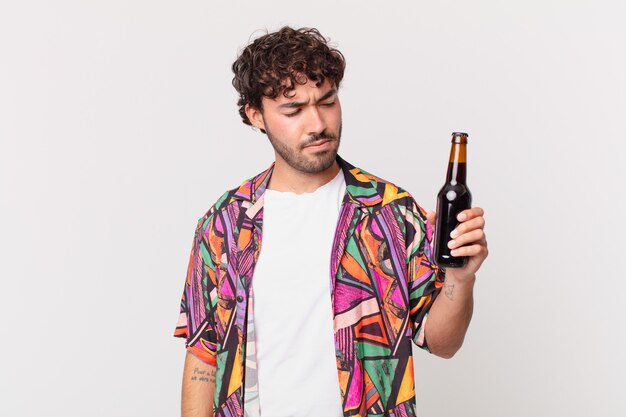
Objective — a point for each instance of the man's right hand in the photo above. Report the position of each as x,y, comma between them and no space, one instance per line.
198,388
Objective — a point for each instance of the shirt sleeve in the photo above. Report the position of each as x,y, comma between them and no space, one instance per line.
425,277
194,322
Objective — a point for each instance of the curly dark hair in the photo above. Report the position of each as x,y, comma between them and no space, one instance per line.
275,62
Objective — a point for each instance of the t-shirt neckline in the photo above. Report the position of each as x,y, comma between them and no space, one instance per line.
337,178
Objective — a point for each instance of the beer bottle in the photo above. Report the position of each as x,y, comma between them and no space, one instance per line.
453,198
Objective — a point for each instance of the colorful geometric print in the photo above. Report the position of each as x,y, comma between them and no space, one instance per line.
383,282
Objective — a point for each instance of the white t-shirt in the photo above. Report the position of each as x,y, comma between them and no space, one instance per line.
297,370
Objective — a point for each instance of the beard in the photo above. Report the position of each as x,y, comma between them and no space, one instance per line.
314,163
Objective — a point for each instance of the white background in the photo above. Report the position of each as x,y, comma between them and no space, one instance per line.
119,128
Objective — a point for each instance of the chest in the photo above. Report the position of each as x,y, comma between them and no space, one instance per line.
362,257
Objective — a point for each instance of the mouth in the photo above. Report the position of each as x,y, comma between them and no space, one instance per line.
319,144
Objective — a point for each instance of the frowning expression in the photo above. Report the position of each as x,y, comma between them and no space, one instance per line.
305,127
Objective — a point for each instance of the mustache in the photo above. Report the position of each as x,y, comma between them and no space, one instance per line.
314,138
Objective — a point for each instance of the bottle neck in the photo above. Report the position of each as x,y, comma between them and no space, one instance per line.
457,168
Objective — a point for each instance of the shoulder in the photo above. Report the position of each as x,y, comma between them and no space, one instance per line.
232,197
392,194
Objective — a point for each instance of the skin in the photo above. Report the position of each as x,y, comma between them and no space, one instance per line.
450,315
198,388
313,114
308,115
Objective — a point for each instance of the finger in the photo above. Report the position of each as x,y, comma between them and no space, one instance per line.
432,217
469,225
473,236
471,250
470,214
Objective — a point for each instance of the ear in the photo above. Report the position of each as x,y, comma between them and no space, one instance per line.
255,116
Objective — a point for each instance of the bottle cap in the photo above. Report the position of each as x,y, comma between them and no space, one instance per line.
459,137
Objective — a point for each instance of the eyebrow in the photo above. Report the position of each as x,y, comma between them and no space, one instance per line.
293,104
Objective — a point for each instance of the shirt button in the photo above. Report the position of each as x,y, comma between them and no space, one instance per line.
239,298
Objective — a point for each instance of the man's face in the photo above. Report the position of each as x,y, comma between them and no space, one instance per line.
304,129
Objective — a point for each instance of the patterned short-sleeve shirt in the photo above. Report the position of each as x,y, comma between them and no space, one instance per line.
383,281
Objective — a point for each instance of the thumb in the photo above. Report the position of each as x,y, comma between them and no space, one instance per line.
432,217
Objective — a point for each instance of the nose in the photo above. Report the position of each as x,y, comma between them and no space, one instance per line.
316,123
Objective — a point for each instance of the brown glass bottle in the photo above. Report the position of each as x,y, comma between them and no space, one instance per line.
453,198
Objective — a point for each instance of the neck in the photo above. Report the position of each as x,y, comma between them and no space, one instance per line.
457,166
286,178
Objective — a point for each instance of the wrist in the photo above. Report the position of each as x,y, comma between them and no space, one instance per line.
457,277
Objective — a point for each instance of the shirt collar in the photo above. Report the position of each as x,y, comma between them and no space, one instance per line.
362,188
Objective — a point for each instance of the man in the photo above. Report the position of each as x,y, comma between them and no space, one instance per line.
308,283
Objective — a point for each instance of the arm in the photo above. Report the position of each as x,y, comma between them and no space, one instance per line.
195,325
198,388
450,316
451,312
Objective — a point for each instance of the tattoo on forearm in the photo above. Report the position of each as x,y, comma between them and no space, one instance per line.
448,290
203,376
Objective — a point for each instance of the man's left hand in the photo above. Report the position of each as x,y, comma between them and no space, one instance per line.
468,239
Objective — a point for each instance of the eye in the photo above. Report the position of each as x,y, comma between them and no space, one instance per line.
292,113
328,104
